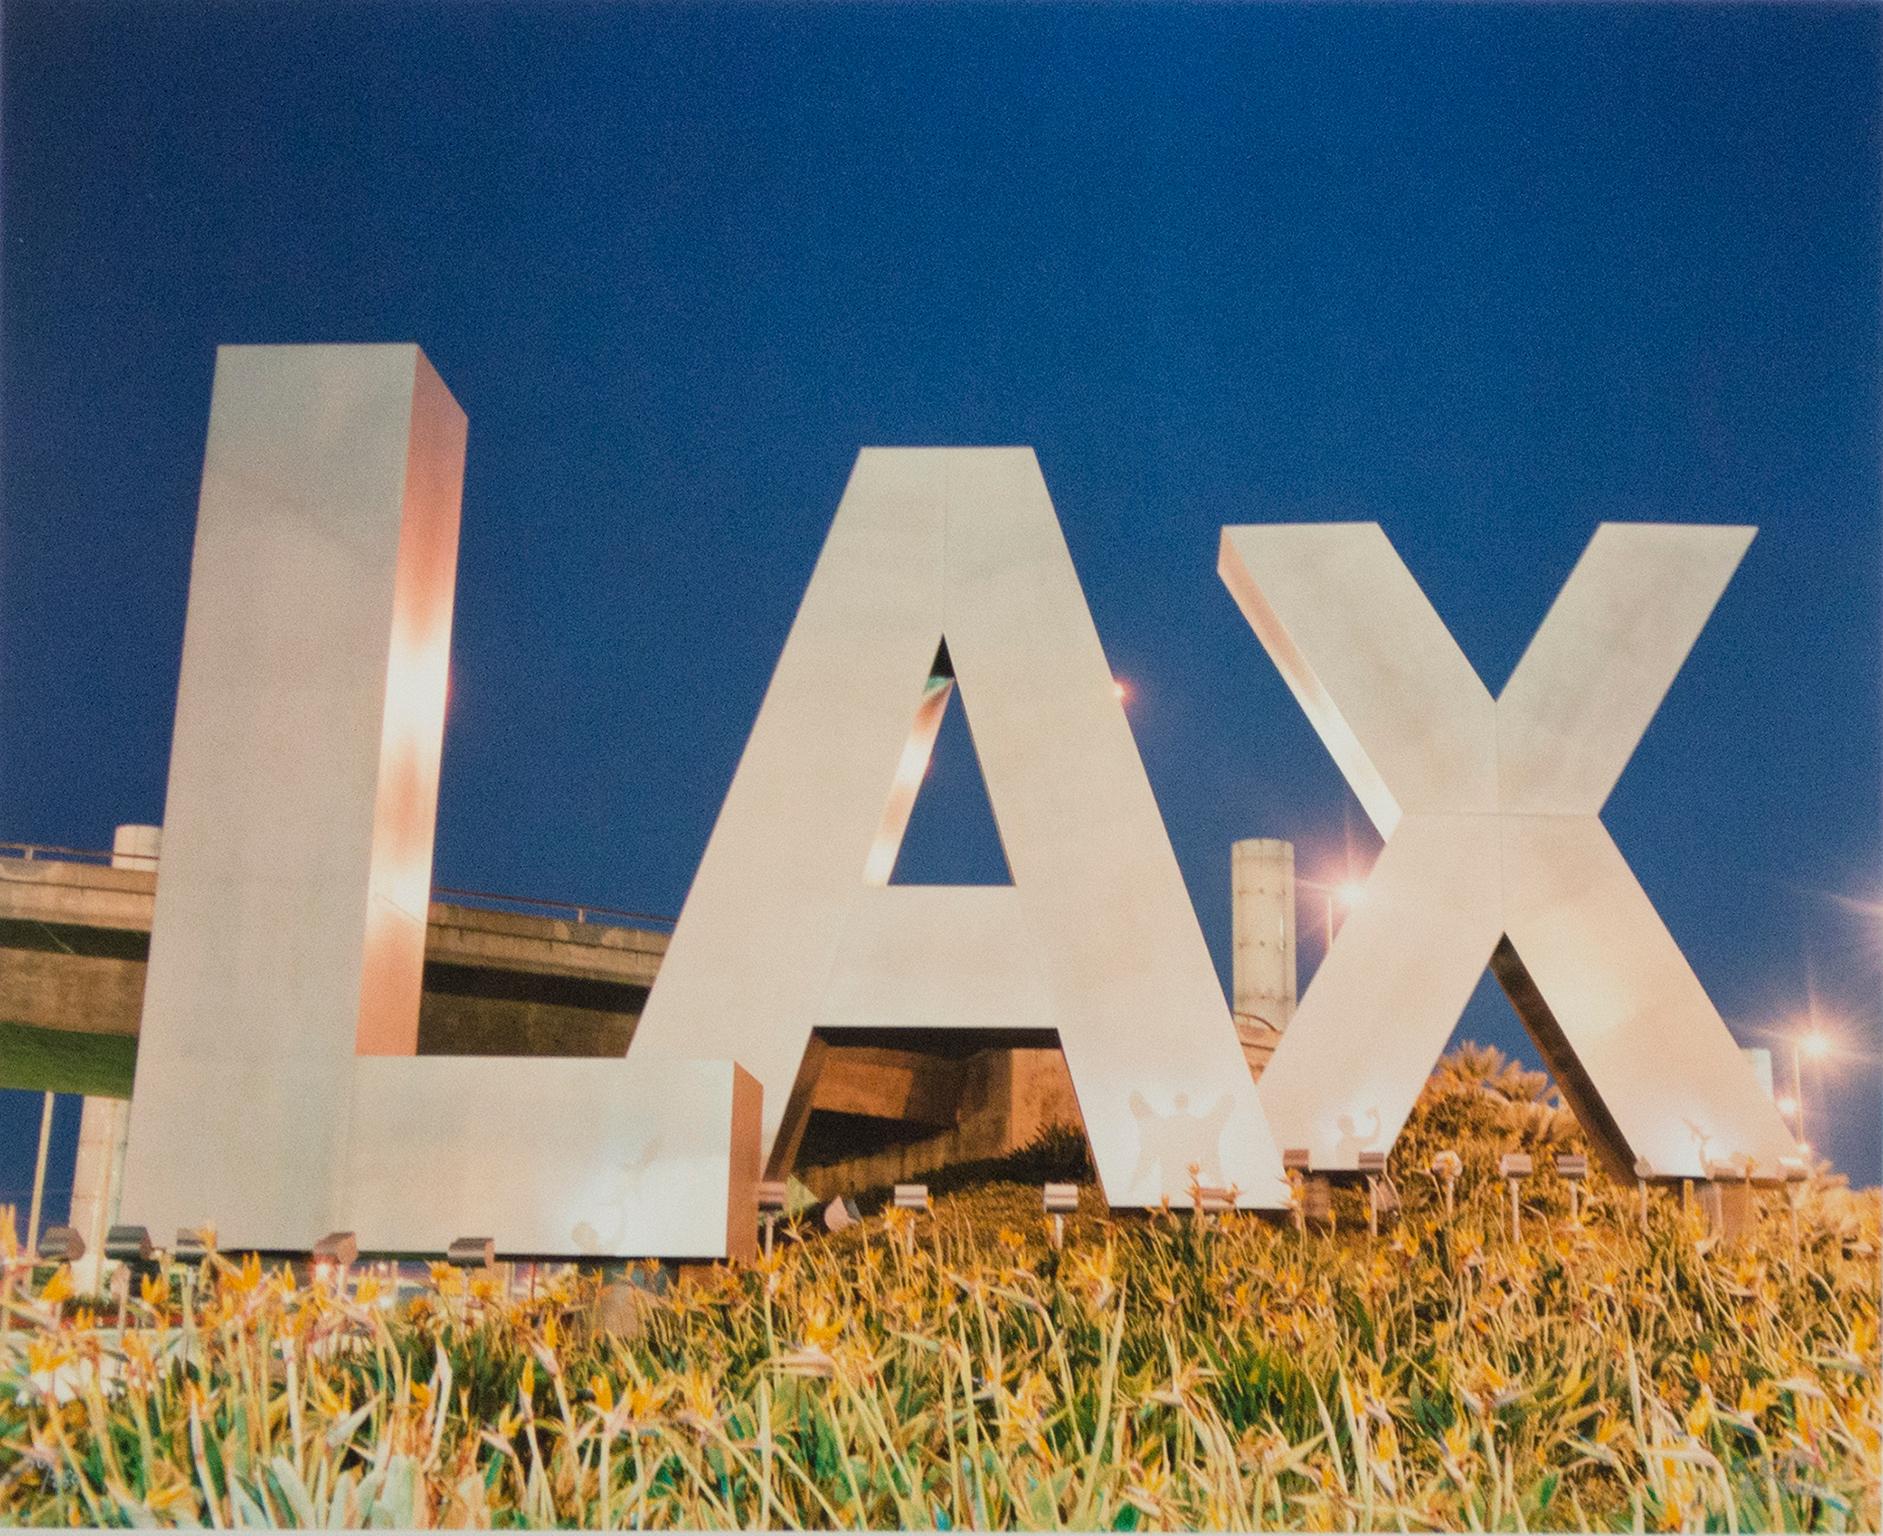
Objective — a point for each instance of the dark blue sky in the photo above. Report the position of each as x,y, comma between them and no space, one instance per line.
1487,276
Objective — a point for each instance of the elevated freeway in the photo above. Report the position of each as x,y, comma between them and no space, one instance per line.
509,976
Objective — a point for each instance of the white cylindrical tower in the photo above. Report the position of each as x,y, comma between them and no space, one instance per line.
1262,908
135,846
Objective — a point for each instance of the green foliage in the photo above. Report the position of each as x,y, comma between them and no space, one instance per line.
1057,1155
66,1061
954,1370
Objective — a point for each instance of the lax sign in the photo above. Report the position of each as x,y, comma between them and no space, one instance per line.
313,678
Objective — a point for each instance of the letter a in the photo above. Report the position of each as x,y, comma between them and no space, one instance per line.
946,565
1495,851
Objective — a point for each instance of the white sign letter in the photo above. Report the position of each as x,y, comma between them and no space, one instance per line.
1495,852
791,924
278,1096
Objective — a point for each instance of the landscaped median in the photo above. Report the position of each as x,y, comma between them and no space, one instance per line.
952,1369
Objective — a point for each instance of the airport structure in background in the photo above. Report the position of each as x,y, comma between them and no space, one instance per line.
570,981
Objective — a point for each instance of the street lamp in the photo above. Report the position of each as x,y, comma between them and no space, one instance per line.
1349,893
1814,1043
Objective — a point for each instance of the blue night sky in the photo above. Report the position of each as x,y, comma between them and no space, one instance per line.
1487,276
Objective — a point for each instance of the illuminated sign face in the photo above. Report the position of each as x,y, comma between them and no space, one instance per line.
278,1092
1495,852
945,568
279,1095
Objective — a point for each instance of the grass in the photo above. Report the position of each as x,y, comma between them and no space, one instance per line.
66,1061
953,1370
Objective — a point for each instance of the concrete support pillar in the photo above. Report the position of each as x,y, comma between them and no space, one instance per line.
105,1124
1040,1095
1317,1199
1007,1097
1262,915
1728,1205
97,1182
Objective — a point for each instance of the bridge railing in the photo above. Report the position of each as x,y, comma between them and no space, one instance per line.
31,851
581,911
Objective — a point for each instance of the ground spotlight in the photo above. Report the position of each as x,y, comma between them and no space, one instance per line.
472,1253
338,1249
129,1245
1644,1170
1446,1166
193,1245
841,1213
911,1197
1212,1200
1572,1168
1379,1190
1514,1168
1314,1200
773,1196
1294,1163
1794,1172
1060,1200
130,1248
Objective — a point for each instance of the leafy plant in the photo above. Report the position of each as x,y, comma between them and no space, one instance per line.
953,1370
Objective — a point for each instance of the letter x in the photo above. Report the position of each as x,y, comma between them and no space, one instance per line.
1495,852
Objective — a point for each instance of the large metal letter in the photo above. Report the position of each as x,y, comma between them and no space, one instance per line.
1495,852
291,902
275,1095
791,925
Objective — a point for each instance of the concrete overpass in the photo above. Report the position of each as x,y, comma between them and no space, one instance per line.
511,977
74,937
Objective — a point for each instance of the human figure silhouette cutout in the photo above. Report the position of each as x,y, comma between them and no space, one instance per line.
1352,1143
627,1187
1701,1136
1174,1142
